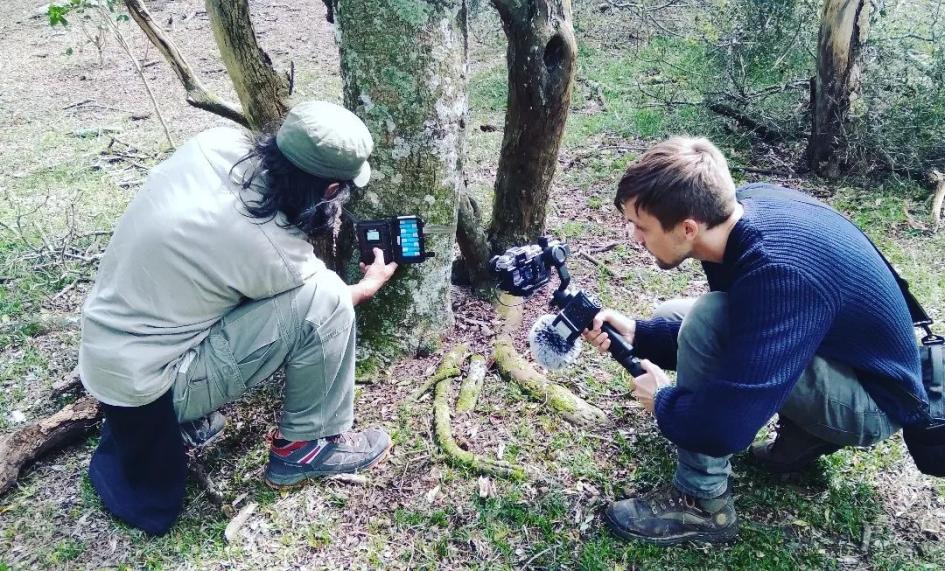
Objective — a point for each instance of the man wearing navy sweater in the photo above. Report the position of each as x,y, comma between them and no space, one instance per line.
803,319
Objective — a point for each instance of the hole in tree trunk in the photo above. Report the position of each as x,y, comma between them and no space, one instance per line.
554,53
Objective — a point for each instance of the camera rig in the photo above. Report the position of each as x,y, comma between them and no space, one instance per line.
522,270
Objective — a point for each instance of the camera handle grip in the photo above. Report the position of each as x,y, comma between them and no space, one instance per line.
622,351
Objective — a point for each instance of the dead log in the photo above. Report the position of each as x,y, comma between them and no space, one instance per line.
20,448
514,367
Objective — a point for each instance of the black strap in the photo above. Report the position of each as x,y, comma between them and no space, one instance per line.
919,316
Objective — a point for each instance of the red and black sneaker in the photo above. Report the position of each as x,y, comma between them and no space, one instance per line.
347,453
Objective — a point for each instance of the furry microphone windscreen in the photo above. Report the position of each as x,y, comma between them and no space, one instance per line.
549,348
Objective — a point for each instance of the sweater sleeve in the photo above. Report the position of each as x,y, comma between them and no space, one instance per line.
778,319
655,339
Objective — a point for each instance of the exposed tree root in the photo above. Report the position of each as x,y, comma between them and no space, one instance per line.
22,447
515,368
456,455
449,367
472,384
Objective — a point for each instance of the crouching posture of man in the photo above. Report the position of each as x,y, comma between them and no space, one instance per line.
208,286
804,319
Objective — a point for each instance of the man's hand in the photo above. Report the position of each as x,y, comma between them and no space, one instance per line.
623,324
646,385
375,276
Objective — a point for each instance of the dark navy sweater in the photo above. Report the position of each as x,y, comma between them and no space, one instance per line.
802,280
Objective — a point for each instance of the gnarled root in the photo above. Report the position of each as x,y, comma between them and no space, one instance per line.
471,386
455,454
449,367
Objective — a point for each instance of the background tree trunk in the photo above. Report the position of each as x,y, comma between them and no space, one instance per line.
541,57
403,65
843,28
261,90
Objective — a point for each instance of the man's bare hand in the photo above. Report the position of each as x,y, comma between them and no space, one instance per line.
623,324
646,385
376,275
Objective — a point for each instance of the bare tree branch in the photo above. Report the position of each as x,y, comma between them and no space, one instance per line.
197,94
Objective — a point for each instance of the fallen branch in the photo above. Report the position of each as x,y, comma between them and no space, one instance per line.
456,455
515,368
237,522
197,94
21,448
767,132
198,472
449,367
472,385
67,383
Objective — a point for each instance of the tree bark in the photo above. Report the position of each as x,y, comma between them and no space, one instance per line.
261,90
197,94
844,25
22,447
541,60
403,65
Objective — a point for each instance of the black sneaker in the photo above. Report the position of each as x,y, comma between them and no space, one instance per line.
668,516
290,463
792,450
203,431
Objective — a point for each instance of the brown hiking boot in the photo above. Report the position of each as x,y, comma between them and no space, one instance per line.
792,450
668,516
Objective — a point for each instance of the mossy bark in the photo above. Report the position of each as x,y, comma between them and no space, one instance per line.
844,26
403,65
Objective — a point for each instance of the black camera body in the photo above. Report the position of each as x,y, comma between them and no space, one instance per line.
400,238
524,269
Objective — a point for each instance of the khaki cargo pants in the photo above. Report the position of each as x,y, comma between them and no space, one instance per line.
308,330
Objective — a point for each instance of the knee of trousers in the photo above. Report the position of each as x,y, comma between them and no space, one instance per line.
322,306
704,330
674,309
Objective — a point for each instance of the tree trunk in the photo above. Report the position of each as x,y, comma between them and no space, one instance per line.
843,28
403,65
541,57
261,90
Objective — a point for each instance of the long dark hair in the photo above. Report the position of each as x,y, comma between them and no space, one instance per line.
300,196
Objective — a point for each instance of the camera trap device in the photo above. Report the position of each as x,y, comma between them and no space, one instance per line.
401,238
522,270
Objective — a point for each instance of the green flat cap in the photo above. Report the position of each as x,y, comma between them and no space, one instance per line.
328,141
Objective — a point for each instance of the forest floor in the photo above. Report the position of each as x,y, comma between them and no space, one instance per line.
77,136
